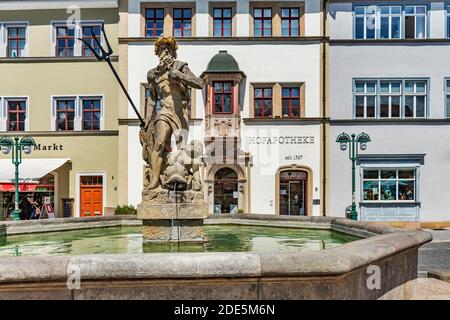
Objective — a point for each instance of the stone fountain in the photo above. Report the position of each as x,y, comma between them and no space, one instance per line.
173,205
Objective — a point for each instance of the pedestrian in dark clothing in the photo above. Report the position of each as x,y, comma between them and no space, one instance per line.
26,209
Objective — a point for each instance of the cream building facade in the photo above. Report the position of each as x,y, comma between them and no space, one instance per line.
54,90
261,113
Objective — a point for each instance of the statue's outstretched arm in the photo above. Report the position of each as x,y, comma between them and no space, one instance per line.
190,79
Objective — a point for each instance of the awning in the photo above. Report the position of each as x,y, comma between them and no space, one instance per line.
29,169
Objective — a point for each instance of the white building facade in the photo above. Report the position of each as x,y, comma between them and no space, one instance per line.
389,79
270,109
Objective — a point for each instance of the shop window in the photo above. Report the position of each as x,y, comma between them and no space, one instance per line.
16,41
225,191
65,114
262,22
88,31
65,41
182,22
290,107
290,22
263,102
222,22
223,97
154,22
91,113
389,185
17,112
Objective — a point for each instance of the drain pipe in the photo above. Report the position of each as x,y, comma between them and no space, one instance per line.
324,108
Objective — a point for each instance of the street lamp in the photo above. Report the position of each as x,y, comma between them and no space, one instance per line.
351,143
16,145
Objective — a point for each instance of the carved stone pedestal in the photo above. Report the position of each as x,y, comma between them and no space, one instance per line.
172,216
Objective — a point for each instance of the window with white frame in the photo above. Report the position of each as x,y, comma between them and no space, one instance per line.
384,185
365,99
399,98
14,114
390,22
447,98
66,38
448,20
76,113
415,99
415,22
390,99
15,39
365,22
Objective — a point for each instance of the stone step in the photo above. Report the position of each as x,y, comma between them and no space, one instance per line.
420,289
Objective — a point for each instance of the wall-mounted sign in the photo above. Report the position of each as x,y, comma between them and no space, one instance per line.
282,140
49,147
293,157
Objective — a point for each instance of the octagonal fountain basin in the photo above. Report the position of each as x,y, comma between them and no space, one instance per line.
246,257
221,238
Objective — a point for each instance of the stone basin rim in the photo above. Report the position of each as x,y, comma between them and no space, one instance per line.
334,261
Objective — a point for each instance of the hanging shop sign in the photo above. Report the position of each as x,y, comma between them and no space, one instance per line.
282,140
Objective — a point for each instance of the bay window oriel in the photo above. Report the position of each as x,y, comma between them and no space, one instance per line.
223,97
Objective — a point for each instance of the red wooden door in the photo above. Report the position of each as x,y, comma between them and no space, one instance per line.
91,200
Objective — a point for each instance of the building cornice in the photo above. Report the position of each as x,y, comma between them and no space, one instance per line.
282,121
53,59
136,122
62,133
352,122
56,4
128,40
387,41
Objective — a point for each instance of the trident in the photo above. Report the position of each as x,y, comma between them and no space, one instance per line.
106,56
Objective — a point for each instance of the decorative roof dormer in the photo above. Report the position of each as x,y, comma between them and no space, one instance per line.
223,106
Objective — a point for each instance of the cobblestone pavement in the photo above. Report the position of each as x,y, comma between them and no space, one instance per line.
436,254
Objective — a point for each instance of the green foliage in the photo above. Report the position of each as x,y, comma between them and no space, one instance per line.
240,210
125,209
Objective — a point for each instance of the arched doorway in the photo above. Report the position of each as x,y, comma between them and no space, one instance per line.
225,191
293,192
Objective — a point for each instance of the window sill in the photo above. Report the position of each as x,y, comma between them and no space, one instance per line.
366,41
126,40
281,120
52,59
390,204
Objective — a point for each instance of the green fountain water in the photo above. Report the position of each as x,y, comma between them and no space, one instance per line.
222,238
